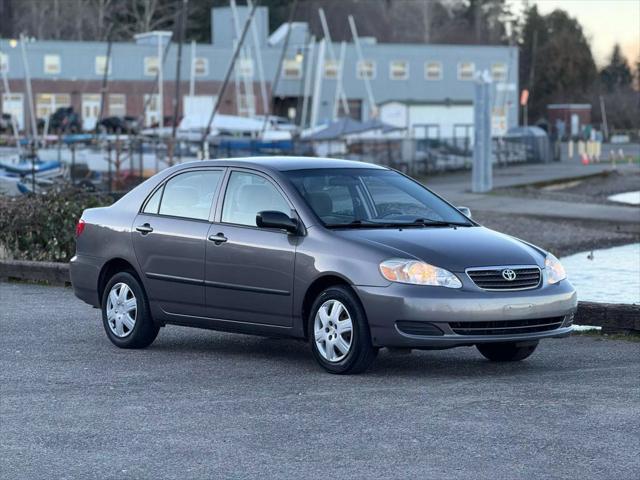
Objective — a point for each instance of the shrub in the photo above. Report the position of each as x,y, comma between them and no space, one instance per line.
42,227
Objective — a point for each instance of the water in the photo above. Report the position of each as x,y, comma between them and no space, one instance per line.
632,198
613,276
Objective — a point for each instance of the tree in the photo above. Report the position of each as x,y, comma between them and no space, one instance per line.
617,74
556,63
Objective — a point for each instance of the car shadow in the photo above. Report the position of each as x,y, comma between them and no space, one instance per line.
463,362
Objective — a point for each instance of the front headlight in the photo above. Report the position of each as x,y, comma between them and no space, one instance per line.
554,269
418,273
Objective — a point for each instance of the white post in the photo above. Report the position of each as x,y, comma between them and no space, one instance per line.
315,104
160,83
27,80
336,100
307,81
332,57
373,108
192,73
256,48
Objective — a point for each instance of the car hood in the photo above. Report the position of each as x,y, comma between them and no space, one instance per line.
452,248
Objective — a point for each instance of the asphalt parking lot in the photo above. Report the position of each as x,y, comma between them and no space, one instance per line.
201,404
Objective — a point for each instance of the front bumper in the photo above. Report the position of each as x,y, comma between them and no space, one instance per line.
385,306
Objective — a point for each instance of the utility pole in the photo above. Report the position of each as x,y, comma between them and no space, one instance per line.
307,81
227,76
276,80
105,77
373,108
332,57
256,48
192,70
176,99
161,81
27,81
482,174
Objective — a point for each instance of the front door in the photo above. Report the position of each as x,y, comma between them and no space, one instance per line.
13,104
90,111
169,237
249,270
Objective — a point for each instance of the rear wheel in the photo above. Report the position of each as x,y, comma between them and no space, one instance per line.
125,313
506,352
339,332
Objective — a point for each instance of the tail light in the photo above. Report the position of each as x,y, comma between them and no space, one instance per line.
79,227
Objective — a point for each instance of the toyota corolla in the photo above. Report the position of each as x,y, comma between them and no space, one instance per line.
350,256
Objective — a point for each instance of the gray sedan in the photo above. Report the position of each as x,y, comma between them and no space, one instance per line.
349,256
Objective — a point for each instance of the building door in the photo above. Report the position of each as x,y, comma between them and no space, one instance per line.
13,104
152,113
198,106
90,111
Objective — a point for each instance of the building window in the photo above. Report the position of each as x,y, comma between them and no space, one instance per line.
245,67
291,69
101,65
52,64
47,103
499,72
4,62
466,70
433,71
150,66
398,70
117,105
331,68
366,69
200,67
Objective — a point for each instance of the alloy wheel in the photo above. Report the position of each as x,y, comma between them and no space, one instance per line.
333,330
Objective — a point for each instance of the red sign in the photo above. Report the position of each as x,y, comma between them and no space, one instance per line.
524,97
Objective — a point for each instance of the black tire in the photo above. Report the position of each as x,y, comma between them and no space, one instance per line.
361,353
145,330
506,352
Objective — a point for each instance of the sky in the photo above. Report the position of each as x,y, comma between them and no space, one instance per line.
605,22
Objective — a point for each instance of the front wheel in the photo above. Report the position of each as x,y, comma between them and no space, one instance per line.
506,352
339,332
125,313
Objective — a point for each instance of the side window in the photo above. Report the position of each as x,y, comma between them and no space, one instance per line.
246,195
189,195
154,202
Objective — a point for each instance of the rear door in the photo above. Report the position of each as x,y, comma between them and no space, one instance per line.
169,238
249,270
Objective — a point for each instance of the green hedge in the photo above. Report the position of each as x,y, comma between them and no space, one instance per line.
42,227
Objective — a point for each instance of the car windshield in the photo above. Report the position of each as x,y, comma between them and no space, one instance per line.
372,198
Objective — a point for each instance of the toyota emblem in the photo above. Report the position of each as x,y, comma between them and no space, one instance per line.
509,275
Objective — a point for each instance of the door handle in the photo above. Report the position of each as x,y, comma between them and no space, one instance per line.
144,229
218,238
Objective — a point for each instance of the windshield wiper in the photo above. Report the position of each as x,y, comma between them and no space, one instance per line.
438,223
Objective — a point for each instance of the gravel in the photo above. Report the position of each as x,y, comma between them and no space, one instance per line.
561,237
200,404
594,189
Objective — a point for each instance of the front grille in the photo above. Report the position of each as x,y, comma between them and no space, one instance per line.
506,327
493,279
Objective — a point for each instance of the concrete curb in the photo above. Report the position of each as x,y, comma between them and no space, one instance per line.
613,318
48,272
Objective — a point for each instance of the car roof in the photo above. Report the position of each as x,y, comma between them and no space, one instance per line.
285,163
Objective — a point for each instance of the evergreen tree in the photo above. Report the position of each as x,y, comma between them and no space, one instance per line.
617,74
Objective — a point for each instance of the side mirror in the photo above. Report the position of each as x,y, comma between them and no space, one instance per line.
466,211
275,219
